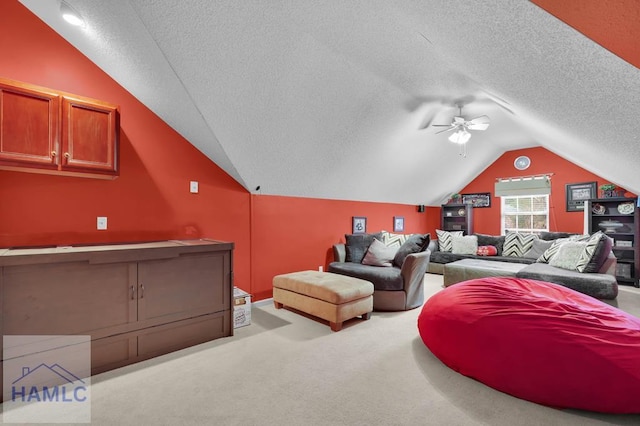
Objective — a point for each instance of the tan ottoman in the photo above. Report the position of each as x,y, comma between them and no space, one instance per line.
332,297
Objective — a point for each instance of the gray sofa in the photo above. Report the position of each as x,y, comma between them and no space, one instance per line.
600,284
399,287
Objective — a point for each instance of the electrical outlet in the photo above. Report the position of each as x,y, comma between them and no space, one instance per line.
102,223
193,187
320,268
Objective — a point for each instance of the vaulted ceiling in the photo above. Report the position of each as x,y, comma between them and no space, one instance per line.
332,99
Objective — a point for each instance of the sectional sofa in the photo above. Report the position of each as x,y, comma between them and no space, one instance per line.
584,263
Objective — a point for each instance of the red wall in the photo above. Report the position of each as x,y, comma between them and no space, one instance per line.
292,234
149,201
487,220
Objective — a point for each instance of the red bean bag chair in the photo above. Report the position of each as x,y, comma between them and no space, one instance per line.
537,341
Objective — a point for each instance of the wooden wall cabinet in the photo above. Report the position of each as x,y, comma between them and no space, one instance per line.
457,217
47,131
619,218
136,301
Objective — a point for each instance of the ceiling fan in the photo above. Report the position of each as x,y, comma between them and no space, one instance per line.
461,128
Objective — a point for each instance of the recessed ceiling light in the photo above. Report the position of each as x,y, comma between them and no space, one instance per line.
70,15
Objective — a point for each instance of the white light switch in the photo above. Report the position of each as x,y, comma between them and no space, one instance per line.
102,223
193,187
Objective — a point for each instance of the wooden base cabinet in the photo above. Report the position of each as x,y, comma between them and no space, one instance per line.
127,348
136,301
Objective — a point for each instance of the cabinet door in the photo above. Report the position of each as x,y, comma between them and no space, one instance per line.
28,126
89,136
69,298
183,287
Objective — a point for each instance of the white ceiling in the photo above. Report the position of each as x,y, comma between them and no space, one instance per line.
328,99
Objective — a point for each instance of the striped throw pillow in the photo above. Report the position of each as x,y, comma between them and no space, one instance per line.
517,244
394,240
553,250
587,263
445,239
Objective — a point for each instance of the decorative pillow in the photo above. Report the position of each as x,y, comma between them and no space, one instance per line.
464,244
444,239
538,248
394,240
491,240
595,253
517,244
425,241
379,254
487,251
551,251
568,255
414,244
357,244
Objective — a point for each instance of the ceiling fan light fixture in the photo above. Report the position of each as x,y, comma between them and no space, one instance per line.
70,15
479,123
460,137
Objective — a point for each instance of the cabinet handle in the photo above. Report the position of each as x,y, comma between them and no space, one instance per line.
141,291
133,292
67,156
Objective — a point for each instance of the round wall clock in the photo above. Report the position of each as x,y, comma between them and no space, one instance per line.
522,163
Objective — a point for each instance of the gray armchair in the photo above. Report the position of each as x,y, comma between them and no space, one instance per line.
395,288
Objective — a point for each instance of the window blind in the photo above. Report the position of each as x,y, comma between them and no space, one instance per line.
525,185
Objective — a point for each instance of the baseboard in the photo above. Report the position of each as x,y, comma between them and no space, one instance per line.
263,302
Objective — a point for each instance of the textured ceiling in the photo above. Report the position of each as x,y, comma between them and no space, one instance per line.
614,24
330,99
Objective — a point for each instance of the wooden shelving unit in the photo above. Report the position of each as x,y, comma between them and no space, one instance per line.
619,218
457,217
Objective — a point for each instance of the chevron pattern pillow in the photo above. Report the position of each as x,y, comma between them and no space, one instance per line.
394,240
597,249
568,255
553,250
445,239
517,244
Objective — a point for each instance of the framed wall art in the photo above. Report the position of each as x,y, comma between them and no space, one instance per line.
359,225
480,199
578,193
398,224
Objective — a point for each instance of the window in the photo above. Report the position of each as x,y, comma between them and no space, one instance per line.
528,214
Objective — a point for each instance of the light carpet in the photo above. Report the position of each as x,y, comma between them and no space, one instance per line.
287,368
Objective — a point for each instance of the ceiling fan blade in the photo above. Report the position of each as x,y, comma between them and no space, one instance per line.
479,123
